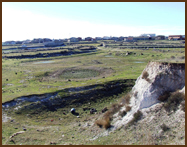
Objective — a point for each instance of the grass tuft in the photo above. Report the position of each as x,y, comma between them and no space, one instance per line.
103,123
107,117
128,108
145,76
126,99
122,113
174,100
137,116
183,106
164,97
164,127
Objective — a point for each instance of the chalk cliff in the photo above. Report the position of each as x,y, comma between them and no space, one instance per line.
156,79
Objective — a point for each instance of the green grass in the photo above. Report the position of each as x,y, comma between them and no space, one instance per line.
40,79
122,66
79,73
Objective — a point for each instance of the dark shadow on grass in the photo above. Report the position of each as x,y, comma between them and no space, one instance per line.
50,103
75,113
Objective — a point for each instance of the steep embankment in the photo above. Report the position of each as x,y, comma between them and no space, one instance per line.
155,80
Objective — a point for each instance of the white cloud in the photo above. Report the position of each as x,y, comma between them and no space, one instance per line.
22,24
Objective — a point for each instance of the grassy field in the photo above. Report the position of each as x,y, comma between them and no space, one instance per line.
24,77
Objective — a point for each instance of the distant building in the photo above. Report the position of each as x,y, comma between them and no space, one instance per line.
19,42
115,38
9,43
131,39
98,38
175,37
35,40
46,39
106,37
73,39
79,38
26,42
88,39
160,37
149,35
53,43
121,38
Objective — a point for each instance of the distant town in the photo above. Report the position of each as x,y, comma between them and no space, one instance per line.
46,41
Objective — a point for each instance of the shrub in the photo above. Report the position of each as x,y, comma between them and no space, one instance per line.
183,106
174,100
183,57
126,99
107,117
172,57
117,54
137,116
135,94
164,127
128,108
122,113
103,123
46,73
164,97
145,76
114,108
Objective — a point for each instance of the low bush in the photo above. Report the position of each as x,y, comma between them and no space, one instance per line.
126,99
183,106
164,127
183,57
114,108
174,100
135,94
103,123
107,117
128,108
122,113
145,76
137,116
117,54
164,97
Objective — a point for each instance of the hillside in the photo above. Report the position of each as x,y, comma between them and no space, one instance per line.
157,103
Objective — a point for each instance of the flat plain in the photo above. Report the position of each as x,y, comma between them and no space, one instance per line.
92,79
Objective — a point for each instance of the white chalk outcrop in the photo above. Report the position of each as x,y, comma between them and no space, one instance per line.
161,77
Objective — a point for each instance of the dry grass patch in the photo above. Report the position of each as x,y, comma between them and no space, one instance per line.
135,94
145,76
137,116
107,117
126,99
183,106
103,123
122,113
174,100
128,108
164,127
164,97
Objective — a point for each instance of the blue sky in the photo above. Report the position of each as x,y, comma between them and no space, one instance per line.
28,20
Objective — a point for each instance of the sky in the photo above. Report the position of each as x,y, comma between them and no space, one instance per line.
59,20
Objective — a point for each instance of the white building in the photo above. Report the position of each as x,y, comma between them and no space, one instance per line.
106,37
149,35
